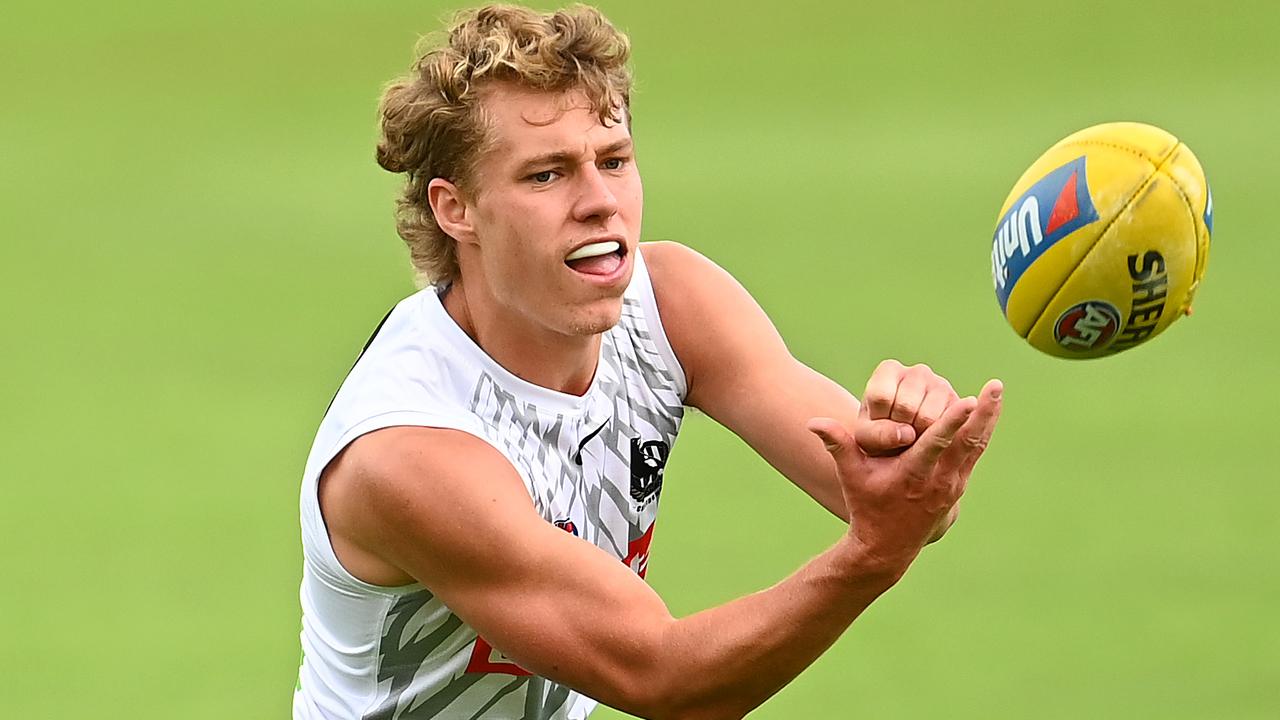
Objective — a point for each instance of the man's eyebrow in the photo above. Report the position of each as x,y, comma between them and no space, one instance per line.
562,157
616,147
559,157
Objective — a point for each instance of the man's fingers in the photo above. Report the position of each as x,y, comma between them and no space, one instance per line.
977,432
882,387
939,396
911,392
925,453
883,437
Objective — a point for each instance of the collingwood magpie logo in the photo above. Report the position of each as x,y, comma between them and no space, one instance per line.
648,458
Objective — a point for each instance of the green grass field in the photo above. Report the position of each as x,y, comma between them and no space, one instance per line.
195,242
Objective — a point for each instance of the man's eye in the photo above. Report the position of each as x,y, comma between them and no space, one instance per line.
543,177
614,163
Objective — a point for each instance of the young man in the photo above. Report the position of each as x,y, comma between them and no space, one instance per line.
478,504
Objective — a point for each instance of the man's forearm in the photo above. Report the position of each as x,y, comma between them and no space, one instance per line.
723,662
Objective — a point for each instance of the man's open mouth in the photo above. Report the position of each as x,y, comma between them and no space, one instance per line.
598,258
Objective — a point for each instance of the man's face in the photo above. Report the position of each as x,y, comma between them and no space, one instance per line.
556,208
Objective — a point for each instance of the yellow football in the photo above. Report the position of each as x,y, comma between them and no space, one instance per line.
1103,241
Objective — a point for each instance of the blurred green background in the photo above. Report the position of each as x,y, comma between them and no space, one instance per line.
195,243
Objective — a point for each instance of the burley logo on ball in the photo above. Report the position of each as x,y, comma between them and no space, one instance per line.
1056,206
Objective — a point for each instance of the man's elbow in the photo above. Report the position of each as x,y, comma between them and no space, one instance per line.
668,691
663,705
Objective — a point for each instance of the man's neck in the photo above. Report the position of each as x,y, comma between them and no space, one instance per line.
564,363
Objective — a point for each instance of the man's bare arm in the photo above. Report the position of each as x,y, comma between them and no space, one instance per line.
449,510
741,373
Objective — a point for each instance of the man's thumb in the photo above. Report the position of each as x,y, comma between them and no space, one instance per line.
883,437
834,436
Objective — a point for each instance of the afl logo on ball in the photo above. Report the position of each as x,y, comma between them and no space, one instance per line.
1089,325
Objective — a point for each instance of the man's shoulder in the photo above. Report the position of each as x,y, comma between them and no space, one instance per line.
381,473
393,496
407,453
686,284
677,269
715,327
669,257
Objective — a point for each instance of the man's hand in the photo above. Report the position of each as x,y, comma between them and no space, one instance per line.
899,404
898,504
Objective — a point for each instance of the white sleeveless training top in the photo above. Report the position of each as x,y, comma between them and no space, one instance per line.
592,464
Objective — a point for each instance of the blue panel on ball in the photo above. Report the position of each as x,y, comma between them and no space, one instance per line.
1056,206
1208,209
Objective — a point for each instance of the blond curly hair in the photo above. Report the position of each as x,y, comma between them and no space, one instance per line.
433,123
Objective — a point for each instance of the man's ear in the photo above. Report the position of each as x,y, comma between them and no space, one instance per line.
451,210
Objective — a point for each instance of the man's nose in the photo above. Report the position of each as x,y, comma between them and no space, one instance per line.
596,201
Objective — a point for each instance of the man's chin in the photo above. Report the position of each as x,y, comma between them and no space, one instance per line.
597,320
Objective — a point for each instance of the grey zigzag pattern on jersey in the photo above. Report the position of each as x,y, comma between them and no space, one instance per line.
636,356
403,649
538,445
647,360
544,699
644,399
532,437
501,693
